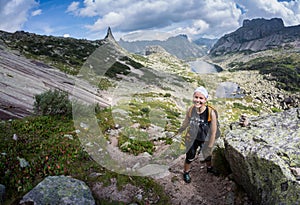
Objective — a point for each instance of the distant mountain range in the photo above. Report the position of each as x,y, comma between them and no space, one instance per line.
256,35
179,46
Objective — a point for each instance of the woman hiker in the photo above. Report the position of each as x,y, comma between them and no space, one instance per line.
201,121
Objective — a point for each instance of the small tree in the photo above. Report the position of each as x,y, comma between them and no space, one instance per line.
53,102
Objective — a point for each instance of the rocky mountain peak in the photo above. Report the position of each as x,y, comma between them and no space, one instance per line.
259,28
109,36
180,36
257,35
276,23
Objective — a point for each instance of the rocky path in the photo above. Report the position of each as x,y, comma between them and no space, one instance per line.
205,188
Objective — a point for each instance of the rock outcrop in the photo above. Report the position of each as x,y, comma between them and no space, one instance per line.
59,190
154,49
256,35
264,156
22,79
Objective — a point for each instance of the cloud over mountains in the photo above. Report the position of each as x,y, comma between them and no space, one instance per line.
89,18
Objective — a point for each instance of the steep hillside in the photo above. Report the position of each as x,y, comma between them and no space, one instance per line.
112,67
257,35
67,54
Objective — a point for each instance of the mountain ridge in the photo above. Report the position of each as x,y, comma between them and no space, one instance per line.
179,46
257,35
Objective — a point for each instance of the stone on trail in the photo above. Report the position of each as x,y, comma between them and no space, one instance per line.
59,190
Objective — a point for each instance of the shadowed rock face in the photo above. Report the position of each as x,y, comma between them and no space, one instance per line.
257,35
263,156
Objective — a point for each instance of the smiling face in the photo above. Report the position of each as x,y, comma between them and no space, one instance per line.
199,99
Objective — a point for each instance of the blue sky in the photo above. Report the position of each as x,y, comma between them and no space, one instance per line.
140,19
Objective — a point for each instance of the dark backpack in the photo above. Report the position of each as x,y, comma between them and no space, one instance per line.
210,108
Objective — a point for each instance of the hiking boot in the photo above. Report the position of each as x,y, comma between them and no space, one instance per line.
213,171
186,177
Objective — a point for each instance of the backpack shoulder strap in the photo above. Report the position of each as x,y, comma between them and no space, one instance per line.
210,108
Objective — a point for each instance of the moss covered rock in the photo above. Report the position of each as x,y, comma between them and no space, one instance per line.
262,157
59,190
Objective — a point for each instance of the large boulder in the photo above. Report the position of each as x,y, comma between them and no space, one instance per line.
59,190
265,157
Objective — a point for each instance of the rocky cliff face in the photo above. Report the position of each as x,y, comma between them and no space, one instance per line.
264,157
257,35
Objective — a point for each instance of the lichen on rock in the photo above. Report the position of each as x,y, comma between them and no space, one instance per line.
59,190
262,156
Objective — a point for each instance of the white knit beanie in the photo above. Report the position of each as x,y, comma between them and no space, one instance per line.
202,90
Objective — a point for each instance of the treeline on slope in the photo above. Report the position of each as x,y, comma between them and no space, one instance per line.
285,70
67,54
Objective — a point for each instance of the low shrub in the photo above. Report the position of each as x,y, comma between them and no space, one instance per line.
53,102
135,142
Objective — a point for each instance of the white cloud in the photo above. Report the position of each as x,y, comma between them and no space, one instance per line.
210,17
90,9
36,12
66,35
73,8
199,26
111,19
213,17
13,14
288,11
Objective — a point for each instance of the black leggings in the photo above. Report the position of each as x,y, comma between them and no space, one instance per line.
191,153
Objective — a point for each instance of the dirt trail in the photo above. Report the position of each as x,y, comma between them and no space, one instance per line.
205,188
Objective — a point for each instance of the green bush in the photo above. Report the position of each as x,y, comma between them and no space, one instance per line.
104,84
135,141
53,102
